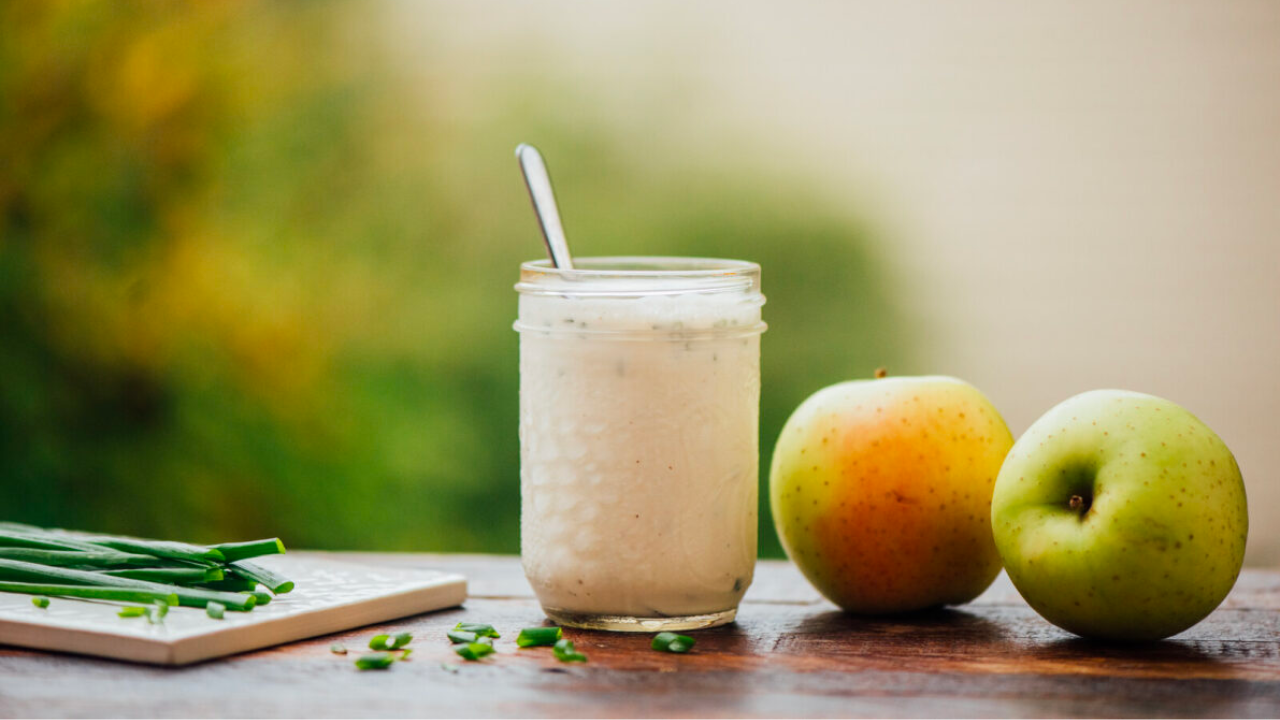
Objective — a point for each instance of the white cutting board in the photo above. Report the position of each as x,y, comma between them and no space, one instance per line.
329,596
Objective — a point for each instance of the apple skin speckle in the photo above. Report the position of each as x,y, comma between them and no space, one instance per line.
1179,481
898,475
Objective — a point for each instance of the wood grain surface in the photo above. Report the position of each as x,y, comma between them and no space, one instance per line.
790,654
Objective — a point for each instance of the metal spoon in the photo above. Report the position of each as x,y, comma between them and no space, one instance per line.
544,204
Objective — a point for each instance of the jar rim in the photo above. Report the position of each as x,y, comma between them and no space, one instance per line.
630,276
659,266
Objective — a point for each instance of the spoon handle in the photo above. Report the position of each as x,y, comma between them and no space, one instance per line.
544,204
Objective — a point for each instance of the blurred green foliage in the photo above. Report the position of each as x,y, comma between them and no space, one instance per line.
254,281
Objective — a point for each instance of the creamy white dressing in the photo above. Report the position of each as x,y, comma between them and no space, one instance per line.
638,428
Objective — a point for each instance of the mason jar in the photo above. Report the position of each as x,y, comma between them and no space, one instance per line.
639,413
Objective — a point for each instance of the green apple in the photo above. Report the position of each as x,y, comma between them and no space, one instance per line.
881,492
1122,516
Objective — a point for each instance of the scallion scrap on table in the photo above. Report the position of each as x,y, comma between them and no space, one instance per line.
390,642
538,636
375,661
157,611
40,601
672,643
132,611
461,636
60,563
473,651
215,610
565,651
480,629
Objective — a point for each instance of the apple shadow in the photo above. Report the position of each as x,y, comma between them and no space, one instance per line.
1161,678
953,625
1119,653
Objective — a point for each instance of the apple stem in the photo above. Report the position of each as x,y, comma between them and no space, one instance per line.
881,372
1076,502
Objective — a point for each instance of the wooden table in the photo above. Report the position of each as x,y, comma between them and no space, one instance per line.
790,654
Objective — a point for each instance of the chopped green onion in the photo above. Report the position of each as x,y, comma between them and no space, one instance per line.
174,576
565,652
539,636
338,649
245,550
478,628
194,597
26,572
40,601
473,651
158,548
124,594
671,642
448,667
156,613
98,557
215,610
404,654
21,539
275,582
137,569
375,661
132,611
390,642
460,636
231,584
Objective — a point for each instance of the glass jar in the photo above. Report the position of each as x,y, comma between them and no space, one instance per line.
639,413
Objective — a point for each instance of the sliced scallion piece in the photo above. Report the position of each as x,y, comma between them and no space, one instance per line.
473,651
231,584
539,636
174,576
98,557
26,572
461,636
375,661
95,592
157,611
274,581
22,539
478,628
40,601
132,611
215,610
671,642
390,642
338,649
565,652
252,549
158,548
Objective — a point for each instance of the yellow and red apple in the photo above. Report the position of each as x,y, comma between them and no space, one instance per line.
881,492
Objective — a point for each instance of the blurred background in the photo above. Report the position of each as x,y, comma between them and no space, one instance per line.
256,258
